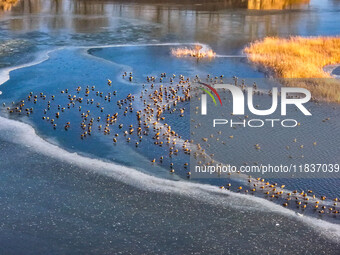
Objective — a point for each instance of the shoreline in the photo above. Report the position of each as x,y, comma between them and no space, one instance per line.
330,69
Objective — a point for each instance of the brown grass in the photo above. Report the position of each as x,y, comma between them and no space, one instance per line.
196,52
274,4
303,58
6,5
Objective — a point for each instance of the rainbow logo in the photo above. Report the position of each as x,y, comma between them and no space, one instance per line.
211,95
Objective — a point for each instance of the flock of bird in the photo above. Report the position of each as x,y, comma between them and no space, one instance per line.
161,95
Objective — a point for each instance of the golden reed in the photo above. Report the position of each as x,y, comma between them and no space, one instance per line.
274,4
303,58
6,5
196,52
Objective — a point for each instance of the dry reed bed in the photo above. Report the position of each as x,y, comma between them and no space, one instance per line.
302,58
